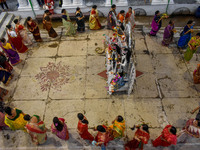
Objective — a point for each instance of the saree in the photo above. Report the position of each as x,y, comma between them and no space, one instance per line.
17,123
111,22
103,137
34,29
168,35
2,118
83,131
11,53
64,134
48,26
185,37
166,138
23,33
5,76
68,25
194,43
94,23
3,92
155,25
16,41
134,144
80,23
37,131
4,62
196,75
118,129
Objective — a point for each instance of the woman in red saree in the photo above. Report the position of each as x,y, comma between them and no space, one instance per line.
5,63
103,136
34,29
59,128
167,138
20,30
16,40
83,128
36,129
94,19
141,137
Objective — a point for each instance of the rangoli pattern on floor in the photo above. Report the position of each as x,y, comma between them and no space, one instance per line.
54,76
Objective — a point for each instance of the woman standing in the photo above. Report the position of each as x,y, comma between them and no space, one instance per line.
94,23
111,22
5,76
118,127
3,2
16,40
156,23
48,26
196,75
67,23
80,20
193,44
168,34
185,35
5,63
10,51
167,138
59,128
36,129
141,137
14,119
130,16
20,30
83,128
34,29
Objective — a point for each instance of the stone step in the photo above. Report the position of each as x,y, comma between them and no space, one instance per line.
7,21
3,17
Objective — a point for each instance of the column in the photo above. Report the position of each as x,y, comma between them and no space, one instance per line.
22,4
66,3
160,2
35,4
197,1
108,3
122,3
77,2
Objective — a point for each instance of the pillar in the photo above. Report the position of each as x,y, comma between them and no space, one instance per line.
197,1
35,4
122,3
66,3
23,4
77,2
160,2
108,3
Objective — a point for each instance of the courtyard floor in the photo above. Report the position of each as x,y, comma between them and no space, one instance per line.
60,78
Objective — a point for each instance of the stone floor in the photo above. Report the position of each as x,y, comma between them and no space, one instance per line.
60,78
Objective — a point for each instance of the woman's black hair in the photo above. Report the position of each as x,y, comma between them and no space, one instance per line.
94,6
16,21
84,121
113,6
28,18
3,40
63,10
145,127
46,11
27,117
58,124
131,8
47,18
157,12
78,8
120,118
122,11
190,22
198,34
80,116
173,130
170,22
8,110
100,128
8,26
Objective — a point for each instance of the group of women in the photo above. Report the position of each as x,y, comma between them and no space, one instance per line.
16,119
